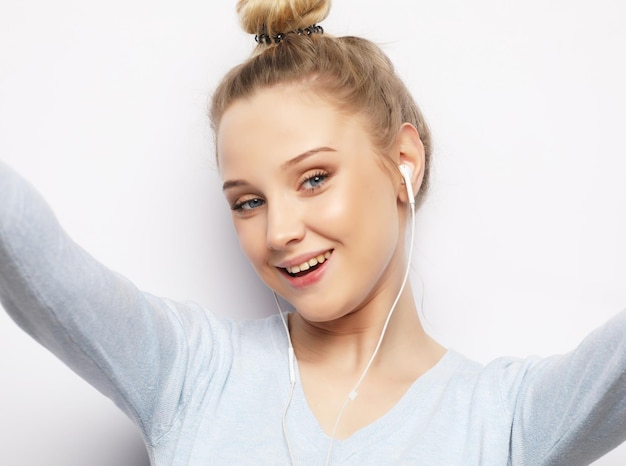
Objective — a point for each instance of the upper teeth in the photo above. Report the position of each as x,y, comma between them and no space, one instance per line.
308,264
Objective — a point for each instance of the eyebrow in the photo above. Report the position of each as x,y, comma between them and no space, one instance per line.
299,158
228,184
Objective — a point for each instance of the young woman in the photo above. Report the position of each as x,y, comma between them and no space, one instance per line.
324,157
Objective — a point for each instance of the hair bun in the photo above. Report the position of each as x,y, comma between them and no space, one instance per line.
280,16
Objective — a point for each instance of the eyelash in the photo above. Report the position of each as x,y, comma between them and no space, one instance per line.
320,174
241,208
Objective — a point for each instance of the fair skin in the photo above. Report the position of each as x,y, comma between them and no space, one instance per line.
307,186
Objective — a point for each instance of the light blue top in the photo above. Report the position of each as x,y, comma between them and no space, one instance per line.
204,390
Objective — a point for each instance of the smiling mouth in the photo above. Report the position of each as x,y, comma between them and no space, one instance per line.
308,266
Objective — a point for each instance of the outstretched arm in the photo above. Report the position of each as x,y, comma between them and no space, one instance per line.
572,408
128,344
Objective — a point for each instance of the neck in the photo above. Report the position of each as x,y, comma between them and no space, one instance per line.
348,343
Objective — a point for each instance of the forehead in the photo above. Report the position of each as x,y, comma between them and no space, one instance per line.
278,123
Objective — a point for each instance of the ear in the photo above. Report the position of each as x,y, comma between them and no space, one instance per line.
409,150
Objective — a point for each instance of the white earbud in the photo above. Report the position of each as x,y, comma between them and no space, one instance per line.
406,173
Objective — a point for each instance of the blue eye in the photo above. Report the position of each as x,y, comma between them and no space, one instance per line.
250,204
314,181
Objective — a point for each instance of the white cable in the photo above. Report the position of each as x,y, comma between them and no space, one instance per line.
292,377
353,393
291,457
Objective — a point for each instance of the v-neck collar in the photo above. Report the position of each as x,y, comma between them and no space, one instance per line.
303,426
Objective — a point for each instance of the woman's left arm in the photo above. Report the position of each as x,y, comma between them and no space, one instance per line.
571,409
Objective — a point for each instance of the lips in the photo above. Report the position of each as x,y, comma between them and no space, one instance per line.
303,270
308,265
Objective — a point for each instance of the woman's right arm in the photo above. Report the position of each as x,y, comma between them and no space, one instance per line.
130,345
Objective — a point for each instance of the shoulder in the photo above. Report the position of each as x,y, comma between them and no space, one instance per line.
199,325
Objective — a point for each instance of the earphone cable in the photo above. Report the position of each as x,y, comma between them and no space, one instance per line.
292,377
353,393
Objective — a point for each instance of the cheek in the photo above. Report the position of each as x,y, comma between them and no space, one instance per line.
362,201
363,220
249,234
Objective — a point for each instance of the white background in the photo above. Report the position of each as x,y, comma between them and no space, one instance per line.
520,245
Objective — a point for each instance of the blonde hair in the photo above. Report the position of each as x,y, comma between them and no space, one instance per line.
353,72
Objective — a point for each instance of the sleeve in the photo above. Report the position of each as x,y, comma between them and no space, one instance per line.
130,345
571,409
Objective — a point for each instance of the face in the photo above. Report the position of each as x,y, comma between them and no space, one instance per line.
316,213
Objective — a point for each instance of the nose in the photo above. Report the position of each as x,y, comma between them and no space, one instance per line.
284,224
